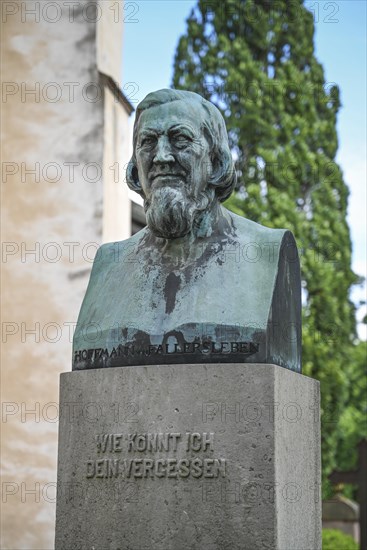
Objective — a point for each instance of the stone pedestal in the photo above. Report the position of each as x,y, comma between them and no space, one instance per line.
177,457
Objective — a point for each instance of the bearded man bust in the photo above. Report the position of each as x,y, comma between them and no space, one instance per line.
199,284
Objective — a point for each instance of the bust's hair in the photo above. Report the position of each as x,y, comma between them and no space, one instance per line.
223,178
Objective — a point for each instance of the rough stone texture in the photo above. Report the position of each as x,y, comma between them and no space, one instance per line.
266,427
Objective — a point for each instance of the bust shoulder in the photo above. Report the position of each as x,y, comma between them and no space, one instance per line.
115,252
245,227
269,242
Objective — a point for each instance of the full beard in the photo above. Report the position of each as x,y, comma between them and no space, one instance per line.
171,213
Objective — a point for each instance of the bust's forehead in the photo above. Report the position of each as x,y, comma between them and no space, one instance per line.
162,117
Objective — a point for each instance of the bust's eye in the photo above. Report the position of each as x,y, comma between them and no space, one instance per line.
180,140
147,141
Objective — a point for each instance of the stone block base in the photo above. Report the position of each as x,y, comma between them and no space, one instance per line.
177,457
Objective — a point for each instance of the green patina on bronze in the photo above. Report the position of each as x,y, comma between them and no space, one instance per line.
199,283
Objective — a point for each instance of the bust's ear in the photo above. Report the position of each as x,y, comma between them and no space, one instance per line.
223,177
217,169
132,177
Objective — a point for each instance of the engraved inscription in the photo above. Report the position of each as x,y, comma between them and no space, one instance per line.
161,467
204,348
152,466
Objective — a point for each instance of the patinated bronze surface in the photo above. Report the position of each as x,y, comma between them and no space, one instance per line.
199,283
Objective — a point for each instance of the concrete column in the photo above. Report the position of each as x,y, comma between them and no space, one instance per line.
189,456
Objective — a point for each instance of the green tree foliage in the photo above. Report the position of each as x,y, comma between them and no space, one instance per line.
255,60
353,419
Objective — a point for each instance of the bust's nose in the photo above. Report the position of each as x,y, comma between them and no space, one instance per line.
163,152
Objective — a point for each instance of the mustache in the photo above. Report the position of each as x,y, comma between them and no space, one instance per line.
160,172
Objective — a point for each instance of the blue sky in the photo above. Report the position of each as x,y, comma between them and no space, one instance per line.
151,32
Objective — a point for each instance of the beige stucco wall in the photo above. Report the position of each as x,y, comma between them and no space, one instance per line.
109,38
117,152
58,131
117,148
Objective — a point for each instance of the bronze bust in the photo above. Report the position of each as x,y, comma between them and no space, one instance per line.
199,284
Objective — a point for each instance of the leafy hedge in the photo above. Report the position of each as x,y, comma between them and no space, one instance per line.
332,539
